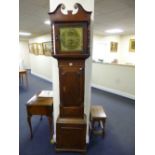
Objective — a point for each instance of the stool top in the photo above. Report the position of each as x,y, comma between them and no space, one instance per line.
97,111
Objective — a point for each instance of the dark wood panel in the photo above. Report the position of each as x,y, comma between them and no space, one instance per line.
71,75
71,86
66,130
74,111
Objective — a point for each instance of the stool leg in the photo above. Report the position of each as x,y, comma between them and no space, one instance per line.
29,122
103,122
90,128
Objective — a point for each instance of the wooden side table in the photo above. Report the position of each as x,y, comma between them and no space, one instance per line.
22,75
40,106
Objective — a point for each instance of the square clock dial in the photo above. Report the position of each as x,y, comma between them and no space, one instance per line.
71,39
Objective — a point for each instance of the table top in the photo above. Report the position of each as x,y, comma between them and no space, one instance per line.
22,70
40,101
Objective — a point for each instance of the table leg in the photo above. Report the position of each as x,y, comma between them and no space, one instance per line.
93,126
29,122
41,117
50,125
26,76
21,79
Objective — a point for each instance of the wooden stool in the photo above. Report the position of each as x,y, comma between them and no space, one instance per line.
40,106
97,114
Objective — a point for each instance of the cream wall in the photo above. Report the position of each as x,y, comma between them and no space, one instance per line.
24,60
114,78
101,49
123,54
41,65
117,79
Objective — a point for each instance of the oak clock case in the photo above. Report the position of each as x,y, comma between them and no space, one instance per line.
70,35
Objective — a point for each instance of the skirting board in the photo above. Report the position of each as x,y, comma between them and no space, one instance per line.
114,91
40,76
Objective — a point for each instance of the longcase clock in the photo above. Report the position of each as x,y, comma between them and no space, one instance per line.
70,35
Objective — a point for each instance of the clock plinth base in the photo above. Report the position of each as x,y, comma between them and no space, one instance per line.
71,134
